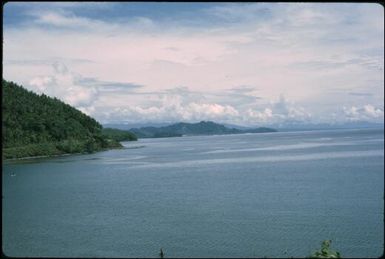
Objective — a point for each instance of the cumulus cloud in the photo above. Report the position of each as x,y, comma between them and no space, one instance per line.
41,83
75,89
280,111
262,116
181,105
172,112
367,112
62,84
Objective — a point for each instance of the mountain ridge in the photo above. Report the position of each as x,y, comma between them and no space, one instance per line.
193,129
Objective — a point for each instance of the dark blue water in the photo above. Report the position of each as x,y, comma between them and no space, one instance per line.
252,195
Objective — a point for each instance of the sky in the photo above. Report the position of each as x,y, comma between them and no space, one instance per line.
250,64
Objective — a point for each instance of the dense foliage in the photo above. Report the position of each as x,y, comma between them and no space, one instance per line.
201,128
118,135
37,125
325,251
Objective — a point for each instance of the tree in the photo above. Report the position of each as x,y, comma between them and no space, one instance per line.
325,251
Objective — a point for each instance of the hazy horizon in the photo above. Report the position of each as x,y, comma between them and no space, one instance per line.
235,63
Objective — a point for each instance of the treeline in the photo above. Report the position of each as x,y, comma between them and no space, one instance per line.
38,125
118,135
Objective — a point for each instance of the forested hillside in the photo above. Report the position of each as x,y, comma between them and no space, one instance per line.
200,128
36,125
118,135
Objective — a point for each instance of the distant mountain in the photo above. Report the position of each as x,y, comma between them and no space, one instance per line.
227,125
127,126
190,129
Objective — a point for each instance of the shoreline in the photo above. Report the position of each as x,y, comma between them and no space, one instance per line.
36,157
54,156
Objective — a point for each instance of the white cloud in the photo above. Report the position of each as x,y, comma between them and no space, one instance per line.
41,83
279,111
373,111
61,20
61,17
62,84
367,112
262,116
303,51
182,105
191,113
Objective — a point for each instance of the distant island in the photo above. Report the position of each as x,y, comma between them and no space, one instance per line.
193,129
38,125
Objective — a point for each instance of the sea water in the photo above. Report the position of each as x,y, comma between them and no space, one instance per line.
251,195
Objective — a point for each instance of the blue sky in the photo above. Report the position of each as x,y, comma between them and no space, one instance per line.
242,63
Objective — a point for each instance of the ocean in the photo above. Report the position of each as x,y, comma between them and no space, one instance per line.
250,195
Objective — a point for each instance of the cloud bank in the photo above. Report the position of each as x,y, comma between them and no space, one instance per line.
242,63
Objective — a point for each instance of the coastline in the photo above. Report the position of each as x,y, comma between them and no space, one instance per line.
56,155
37,157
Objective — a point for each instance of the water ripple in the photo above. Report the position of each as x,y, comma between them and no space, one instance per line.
253,159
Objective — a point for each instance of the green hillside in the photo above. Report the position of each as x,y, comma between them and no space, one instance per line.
118,135
38,125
